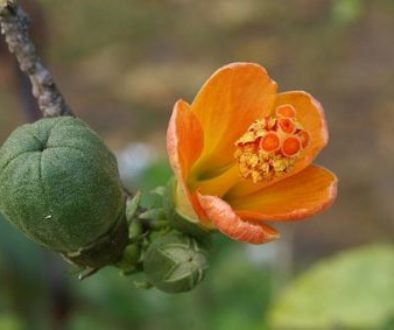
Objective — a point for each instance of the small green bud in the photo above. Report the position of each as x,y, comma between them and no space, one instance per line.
135,230
59,184
130,259
175,263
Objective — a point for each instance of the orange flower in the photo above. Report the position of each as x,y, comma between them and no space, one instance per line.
242,155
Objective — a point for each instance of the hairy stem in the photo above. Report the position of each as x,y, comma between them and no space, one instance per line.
15,23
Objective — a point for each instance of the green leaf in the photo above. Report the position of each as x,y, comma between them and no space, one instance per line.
354,290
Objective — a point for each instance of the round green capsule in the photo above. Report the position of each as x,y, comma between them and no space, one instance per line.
59,184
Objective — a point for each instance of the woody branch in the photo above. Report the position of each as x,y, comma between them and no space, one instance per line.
15,24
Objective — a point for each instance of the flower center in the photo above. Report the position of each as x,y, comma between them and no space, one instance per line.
270,146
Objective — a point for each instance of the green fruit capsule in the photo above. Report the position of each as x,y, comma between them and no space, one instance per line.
175,263
59,184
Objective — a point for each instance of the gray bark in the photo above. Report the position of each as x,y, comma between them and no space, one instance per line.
14,24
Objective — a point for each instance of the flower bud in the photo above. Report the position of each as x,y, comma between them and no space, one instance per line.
175,263
59,184
130,259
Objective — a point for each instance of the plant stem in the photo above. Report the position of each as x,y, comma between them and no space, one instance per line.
15,23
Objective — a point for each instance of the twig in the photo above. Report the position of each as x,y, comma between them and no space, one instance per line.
14,23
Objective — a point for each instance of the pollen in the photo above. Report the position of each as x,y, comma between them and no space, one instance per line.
271,145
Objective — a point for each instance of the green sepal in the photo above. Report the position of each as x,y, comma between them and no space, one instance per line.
132,206
132,209
177,221
153,214
159,191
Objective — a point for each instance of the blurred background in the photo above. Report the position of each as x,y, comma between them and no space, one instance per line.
121,66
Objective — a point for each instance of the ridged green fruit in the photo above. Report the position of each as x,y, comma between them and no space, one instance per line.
59,184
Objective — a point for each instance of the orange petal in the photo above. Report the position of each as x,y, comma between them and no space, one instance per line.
302,195
220,184
311,116
228,103
230,224
184,146
184,139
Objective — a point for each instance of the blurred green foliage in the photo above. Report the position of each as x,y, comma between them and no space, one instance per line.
354,290
10,322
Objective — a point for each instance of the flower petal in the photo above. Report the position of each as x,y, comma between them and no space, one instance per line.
311,116
184,146
220,184
184,139
230,224
302,195
231,99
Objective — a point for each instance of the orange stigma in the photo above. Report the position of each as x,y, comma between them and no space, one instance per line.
270,146
285,110
270,142
287,125
291,146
